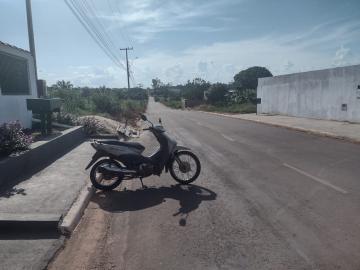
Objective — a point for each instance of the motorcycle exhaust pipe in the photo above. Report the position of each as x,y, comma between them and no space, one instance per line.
115,170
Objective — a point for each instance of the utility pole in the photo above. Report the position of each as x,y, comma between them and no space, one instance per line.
127,64
31,34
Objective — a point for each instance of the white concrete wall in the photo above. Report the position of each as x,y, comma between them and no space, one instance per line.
13,108
315,94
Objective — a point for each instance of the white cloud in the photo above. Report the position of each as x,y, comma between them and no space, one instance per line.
86,76
342,56
288,66
203,67
147,18
174,73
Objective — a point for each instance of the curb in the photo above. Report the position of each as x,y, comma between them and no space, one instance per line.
50,255
309,131
73,216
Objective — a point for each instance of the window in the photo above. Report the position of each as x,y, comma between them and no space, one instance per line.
14,75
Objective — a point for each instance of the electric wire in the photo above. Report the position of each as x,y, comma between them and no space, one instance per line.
100,30
84,11
80,13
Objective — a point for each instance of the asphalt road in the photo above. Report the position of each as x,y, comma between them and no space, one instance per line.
267,198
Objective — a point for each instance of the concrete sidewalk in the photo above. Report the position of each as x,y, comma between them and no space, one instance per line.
334,129
30,211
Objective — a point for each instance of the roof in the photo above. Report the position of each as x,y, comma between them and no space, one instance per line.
14,47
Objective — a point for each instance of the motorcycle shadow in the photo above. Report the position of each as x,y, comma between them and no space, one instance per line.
188,196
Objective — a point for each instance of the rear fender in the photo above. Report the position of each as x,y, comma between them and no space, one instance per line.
96,156
177,149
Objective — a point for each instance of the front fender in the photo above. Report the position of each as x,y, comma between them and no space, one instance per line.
178,148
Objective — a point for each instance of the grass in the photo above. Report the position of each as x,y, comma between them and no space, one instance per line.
175,104
231,108
223,108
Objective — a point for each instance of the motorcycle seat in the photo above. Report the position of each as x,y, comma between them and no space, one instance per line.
125,144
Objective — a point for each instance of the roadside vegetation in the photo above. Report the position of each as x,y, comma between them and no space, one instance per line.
238,96
113,103
175,104
13,139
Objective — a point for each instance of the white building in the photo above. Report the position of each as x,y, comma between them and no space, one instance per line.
331,94
17,83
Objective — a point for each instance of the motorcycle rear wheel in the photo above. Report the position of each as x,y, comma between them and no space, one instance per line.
101,181
189,169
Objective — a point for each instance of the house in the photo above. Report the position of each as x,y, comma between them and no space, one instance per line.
17,83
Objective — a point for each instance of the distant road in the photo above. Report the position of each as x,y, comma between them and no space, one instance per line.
267,198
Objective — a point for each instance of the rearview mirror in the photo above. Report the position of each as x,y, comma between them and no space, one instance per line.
143,117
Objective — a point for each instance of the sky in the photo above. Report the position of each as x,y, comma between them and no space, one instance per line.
177,41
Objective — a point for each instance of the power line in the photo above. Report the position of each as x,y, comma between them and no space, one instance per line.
98,36
87,28
122,29
99,29
101,25
84,11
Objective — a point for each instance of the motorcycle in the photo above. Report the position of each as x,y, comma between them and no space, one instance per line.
115,161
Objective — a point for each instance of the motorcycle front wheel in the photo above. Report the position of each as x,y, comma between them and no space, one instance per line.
185,167
103,181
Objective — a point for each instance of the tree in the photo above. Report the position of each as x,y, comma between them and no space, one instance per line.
63,85
248,78
156,83
217,93
194,90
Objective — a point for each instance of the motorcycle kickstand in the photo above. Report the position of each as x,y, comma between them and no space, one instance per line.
142,184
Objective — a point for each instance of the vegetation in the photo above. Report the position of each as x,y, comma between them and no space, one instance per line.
175,104
195,89
232,108
91,125
118,104
248,78
238,96
13,139
217,93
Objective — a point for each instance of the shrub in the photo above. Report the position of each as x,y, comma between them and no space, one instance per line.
72,99
106,103
13,139
91,125
66,118
217,93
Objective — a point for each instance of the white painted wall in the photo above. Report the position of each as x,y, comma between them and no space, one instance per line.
13,108
316,94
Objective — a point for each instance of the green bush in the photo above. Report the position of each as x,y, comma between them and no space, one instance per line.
132,108
175,104
106,103
13,139
72,101
216,93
